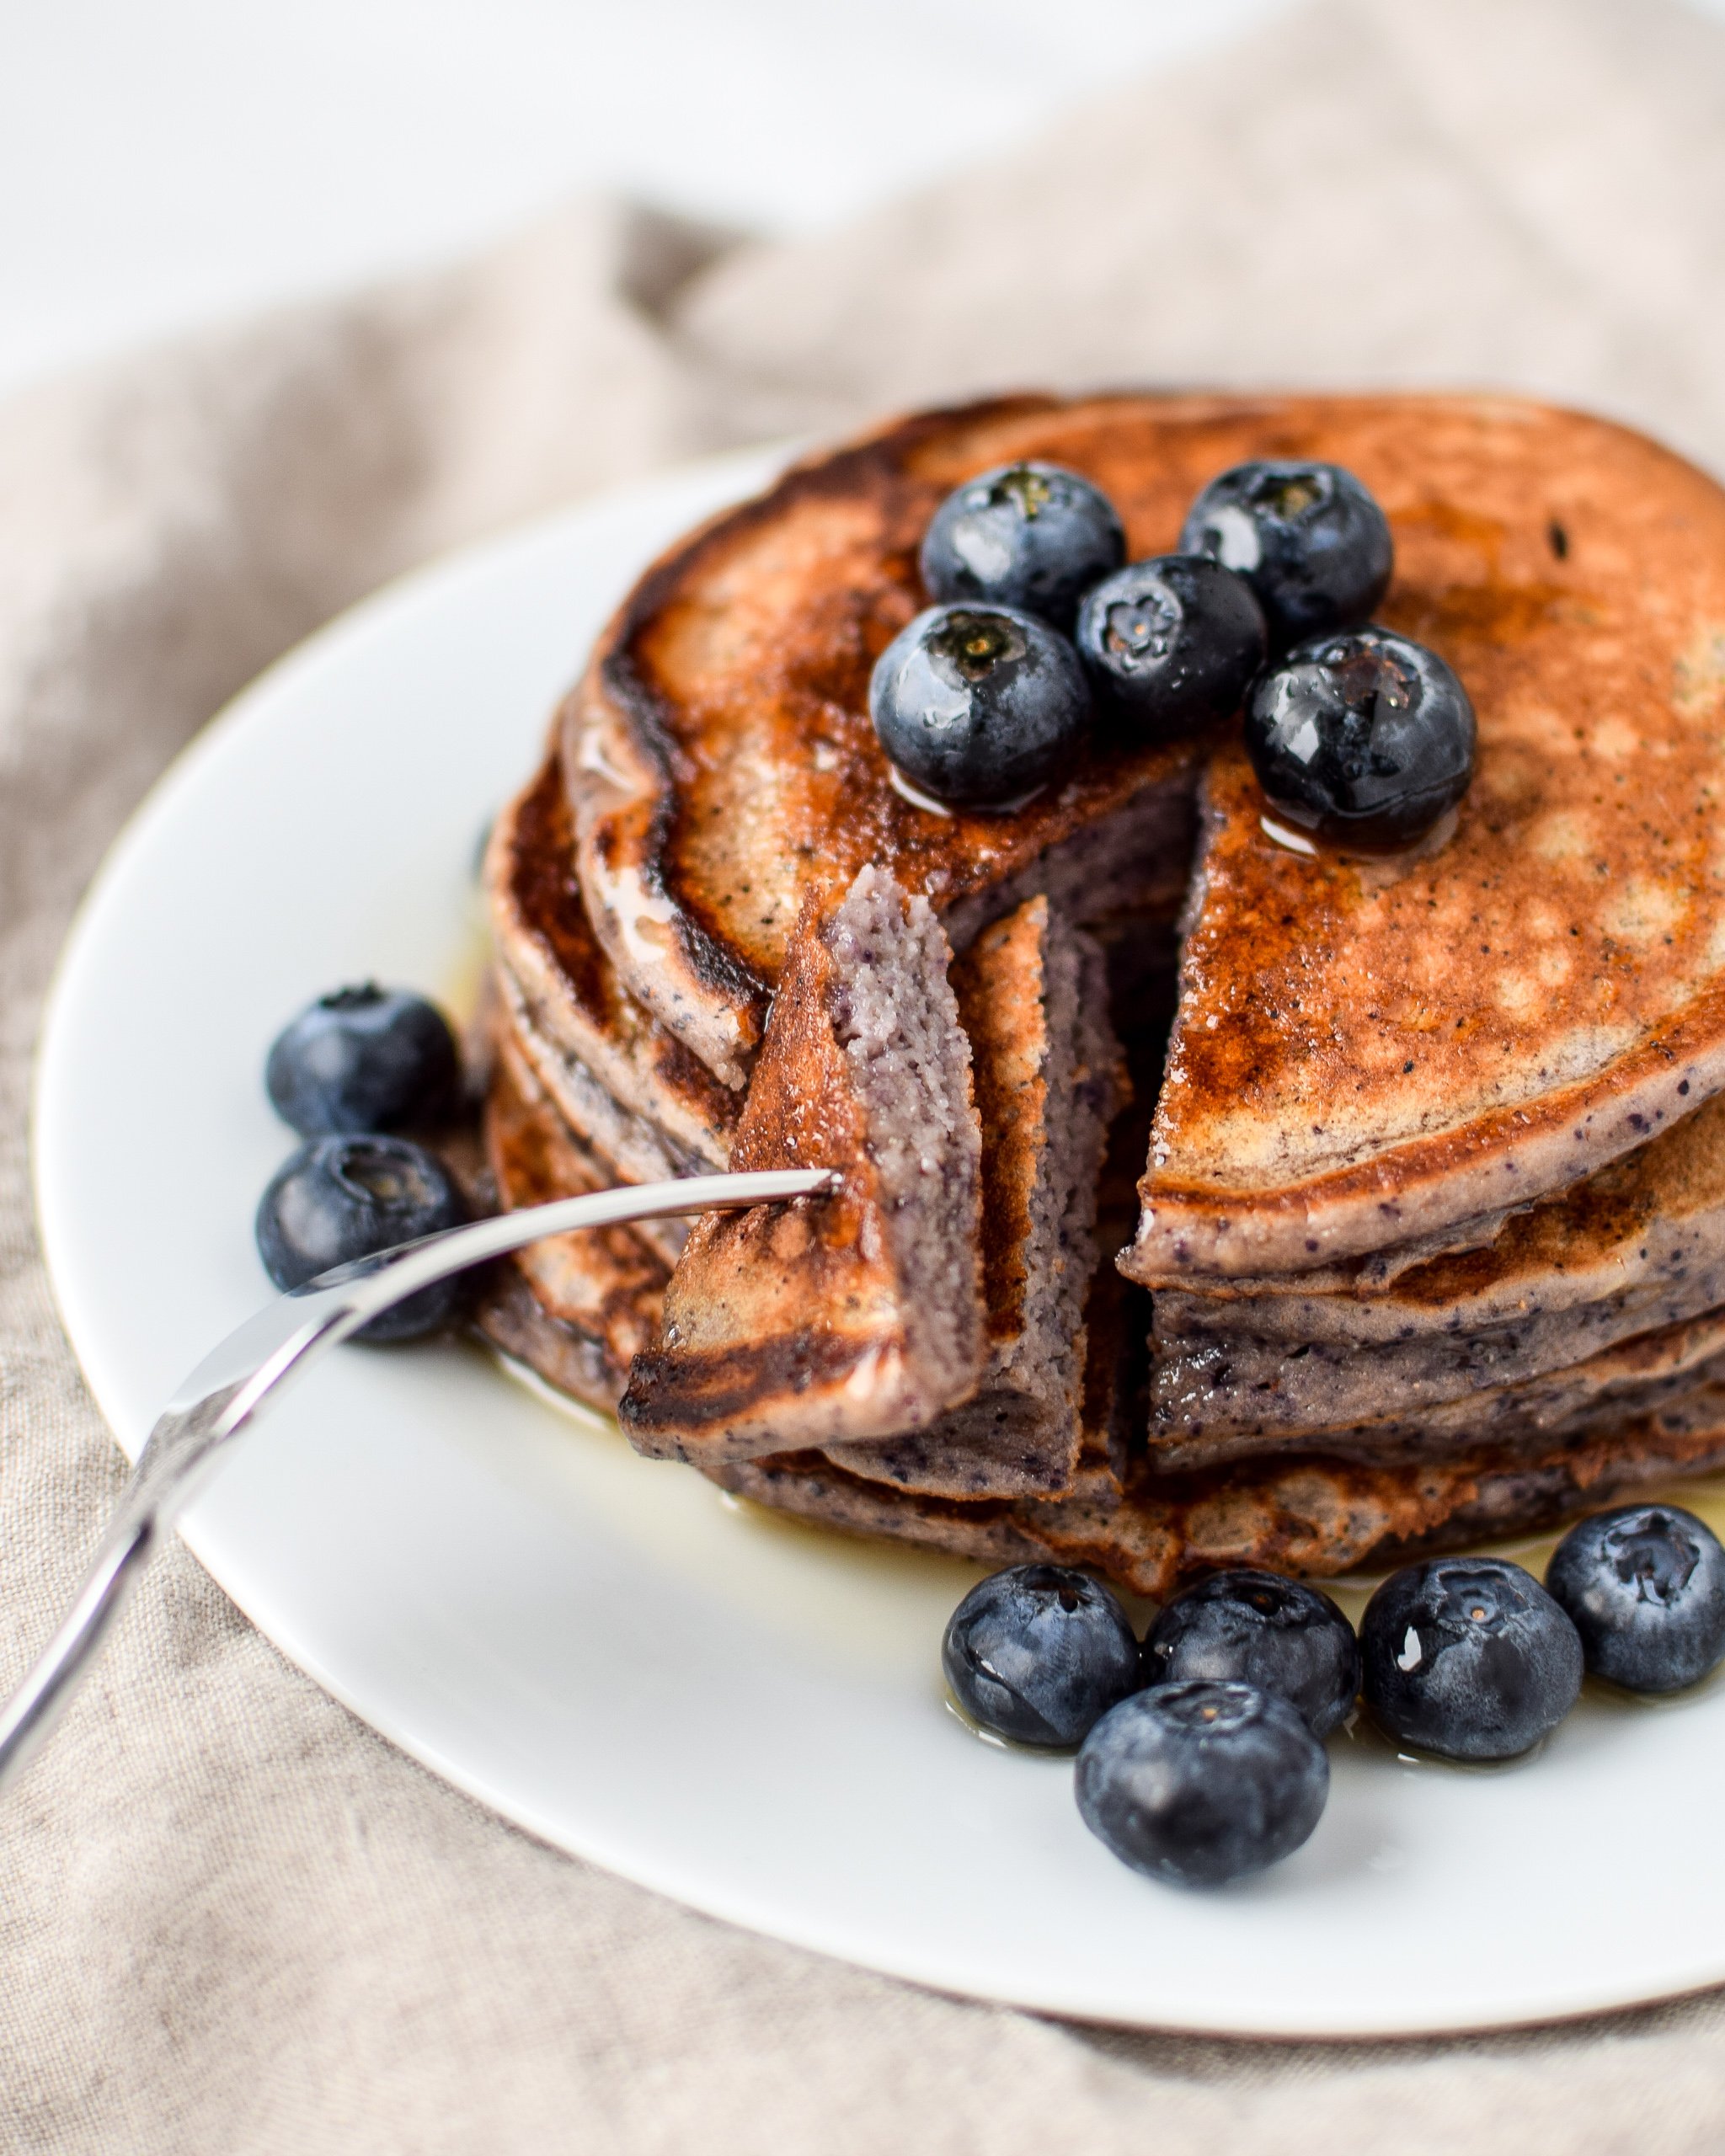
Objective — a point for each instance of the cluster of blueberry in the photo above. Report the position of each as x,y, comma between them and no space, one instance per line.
1042,633
355,1069
1201,1754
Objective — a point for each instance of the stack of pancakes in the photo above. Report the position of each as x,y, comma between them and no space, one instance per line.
1430,1241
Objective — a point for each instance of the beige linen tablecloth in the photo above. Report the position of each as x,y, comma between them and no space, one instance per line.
234,1920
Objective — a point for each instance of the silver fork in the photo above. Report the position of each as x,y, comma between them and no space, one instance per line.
224,1392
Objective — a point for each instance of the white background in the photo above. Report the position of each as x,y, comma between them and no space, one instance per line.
166,163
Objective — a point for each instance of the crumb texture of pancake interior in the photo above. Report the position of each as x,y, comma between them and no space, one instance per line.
1033,998
858,1316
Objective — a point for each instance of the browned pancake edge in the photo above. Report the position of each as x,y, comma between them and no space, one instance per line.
721,758
1312,1519
570,989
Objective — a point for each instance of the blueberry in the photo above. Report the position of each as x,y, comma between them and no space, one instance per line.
1645,1587
1200,1782
978,705
1366,737
1308,538
1027,535
1256,1628
338,1199
1036,1653
1468,1658
1172,644
363,1059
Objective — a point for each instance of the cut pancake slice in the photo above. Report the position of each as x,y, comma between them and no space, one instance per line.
858,1315
1033,999
1370,1053
578,1308
617,1074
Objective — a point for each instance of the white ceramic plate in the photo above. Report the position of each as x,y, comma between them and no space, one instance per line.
742,1714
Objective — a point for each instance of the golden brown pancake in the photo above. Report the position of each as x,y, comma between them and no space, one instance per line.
1377,1067
1633,1228
1638,1245
1311,1517
1363,1056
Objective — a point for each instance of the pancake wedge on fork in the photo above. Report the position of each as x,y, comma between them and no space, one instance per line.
859,1314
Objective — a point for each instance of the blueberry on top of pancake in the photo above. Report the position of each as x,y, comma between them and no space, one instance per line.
1029,534
1365,738
1171,644
981,706
1305,535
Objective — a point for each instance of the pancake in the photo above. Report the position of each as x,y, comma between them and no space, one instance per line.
1367,1055
1434,1205
859,1314
1640,1226
1637,1246
636,1149
1652,1370
1150,1532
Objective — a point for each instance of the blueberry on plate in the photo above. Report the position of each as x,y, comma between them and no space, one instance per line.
979,706
339,1199
1200,1782
1645,1587
1468,1658
1252,1627
1308,538
363,1059
1037,1652
1365,738
1028,535
1171,644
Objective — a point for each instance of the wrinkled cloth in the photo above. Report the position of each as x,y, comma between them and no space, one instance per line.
235,1920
